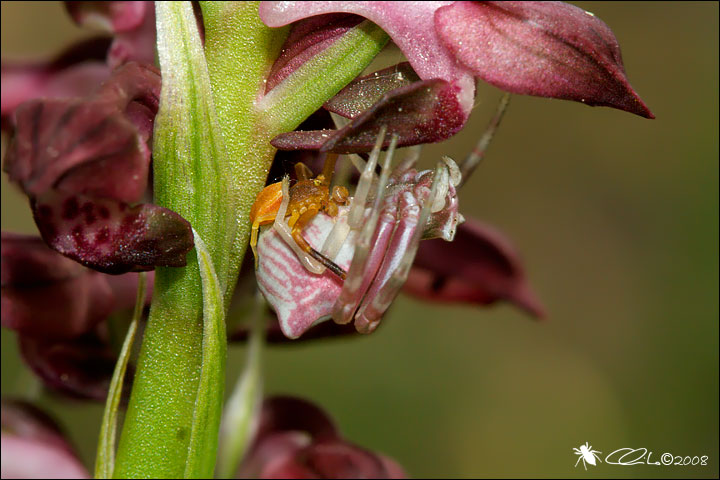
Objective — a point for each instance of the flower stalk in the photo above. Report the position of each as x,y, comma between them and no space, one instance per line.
211,156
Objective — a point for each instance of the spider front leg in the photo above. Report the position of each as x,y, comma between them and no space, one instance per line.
285,231
361,270
296,234
413,214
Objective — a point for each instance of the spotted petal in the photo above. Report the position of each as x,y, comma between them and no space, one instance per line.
82,161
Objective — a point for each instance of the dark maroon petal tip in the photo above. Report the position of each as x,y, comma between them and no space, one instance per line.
363,92
335,459
480,266
296,439
548,49
422,112
281,413
110,236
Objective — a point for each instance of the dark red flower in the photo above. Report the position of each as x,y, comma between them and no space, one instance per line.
58,307
84,161
296,439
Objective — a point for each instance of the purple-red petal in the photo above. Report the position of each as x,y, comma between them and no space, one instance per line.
480,266
110,236
548,49
80,368
110,16
45,294
83,161
334,459
96,146
296,439
135,44
75,72
422,112
363,92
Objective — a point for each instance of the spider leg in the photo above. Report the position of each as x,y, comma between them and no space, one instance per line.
478,153
254,234
403,247
310,263
363,266
302,172
356,214
296,233
578,461
357,206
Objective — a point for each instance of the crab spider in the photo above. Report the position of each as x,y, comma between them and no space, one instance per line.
374,240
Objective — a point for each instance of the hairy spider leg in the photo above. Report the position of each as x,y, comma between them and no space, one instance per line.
478,153
404,244
370,237
297,223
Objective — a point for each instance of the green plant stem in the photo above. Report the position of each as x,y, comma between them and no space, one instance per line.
240,51
189,178
242,408
211,156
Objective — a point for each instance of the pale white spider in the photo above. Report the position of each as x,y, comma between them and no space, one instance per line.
374,240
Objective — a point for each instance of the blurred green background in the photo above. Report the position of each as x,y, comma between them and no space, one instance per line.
616,218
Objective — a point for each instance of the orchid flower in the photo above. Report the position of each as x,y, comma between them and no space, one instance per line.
548,49
234,84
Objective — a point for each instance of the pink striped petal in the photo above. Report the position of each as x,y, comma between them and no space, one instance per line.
300,299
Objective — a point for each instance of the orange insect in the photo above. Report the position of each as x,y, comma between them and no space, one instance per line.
308,197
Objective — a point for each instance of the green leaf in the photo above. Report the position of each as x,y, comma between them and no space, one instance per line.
190,162
190,177
202,449
105,459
